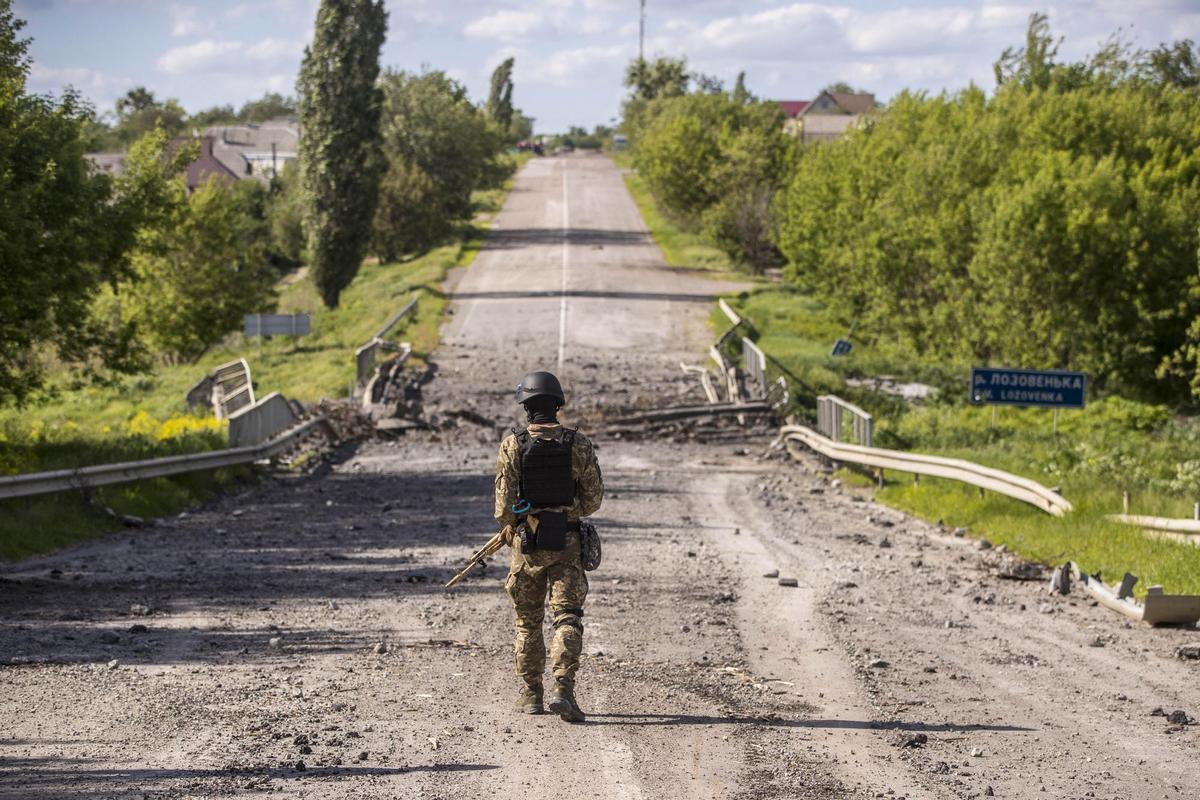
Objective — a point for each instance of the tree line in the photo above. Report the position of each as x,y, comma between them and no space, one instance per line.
1049,223
106,275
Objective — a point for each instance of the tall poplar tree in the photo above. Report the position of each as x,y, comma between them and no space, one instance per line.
340,159
499,104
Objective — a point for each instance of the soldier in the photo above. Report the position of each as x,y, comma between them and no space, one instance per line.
549,473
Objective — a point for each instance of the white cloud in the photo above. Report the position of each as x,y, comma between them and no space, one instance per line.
188,21
505,25
230,56
576,66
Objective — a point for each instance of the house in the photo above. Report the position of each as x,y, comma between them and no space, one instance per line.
206,165
109,163
258,151
827,117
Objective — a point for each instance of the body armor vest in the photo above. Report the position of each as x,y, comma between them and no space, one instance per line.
546,478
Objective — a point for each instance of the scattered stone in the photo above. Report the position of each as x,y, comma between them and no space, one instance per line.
137,627
1188,652
885,542
1158,711
988,792
931,670
305,750
913,740
774,573
275,641
983,544
1045,608
300,766
1096,642
139,610
108,637
878,663
300,739
380,648
959,532
116,662
1178,717
976,752
685,629
788,582
691,553
362,756
131,521
237,512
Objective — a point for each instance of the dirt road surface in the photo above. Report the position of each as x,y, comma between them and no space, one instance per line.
294,639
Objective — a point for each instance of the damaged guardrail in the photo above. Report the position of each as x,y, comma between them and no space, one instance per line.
994,480
107,474
1158,608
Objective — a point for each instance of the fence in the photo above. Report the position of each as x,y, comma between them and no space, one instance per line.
257,423
994,480
754,364
367,356
226,389
106,474
831,411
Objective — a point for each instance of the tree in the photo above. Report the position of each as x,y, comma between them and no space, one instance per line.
741,95
285,218
841,87
1177,64
429,122
272,105
196,278
499,103
409,218
216,115
65,232
662,77
139,112
340,105
1032,66
521,128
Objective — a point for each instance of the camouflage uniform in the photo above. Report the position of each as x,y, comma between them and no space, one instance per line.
558,572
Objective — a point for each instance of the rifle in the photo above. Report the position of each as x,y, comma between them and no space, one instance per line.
490,548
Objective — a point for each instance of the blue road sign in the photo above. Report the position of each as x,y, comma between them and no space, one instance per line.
841,347
1028,387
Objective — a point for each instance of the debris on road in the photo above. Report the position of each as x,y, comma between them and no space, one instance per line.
774,573
788,582
1188,652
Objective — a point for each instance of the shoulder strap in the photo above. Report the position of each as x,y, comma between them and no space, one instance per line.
569,436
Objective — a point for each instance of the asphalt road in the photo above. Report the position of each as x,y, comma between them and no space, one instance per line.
294,639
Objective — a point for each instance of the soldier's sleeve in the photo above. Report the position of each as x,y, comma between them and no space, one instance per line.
507,481
589,483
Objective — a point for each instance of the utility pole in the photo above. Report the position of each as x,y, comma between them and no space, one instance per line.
642,33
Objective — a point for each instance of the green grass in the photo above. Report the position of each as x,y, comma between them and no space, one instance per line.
1111,446
145,416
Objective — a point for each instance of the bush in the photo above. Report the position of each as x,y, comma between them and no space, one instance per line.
408,218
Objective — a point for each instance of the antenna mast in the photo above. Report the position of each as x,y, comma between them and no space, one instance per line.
642,32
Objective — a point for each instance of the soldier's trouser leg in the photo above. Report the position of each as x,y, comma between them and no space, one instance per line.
527,588
568,590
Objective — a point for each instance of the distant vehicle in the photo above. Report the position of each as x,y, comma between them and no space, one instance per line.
620,141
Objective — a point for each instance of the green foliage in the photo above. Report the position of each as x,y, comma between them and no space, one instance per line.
1112,445
1049,225
64,232
430,124
521,129
272,105
662,77
285,218
197,276
499,102
139,112
341,165
409,218
714,162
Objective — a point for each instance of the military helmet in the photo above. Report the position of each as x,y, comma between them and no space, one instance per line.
540,384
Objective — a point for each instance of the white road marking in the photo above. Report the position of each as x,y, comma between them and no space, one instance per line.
566,250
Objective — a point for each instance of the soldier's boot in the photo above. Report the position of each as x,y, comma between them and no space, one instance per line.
530,701
562,702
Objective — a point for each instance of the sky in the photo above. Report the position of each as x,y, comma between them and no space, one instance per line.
570,54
